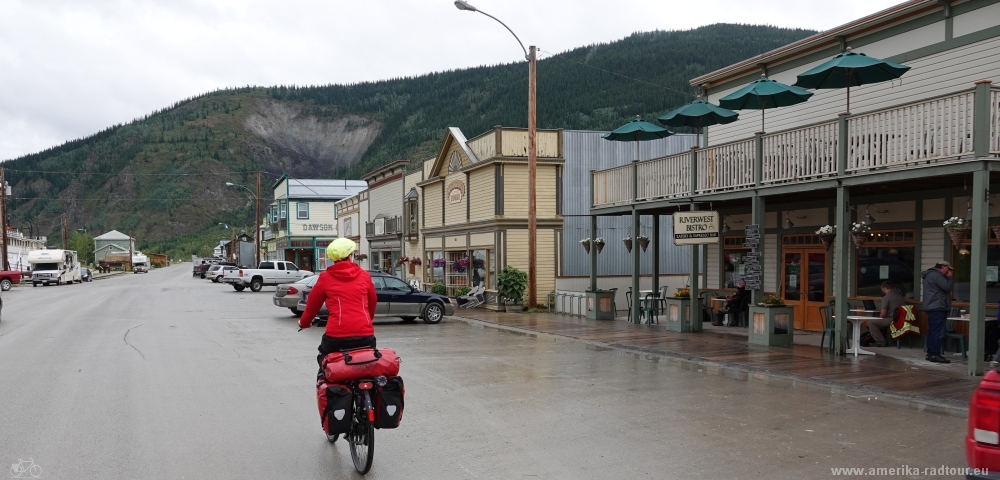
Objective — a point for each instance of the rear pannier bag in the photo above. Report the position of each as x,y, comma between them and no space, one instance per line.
389,403
340,367
335,407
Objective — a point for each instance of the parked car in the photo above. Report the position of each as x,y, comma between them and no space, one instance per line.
86,275
982,440
288,295
215,272
398,299
9,278
269,272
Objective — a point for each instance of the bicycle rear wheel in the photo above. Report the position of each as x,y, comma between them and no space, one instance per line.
362,442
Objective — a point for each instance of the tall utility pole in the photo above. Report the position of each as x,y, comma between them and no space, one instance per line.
532,167
130,250
256,227
3,218
532,59
65,236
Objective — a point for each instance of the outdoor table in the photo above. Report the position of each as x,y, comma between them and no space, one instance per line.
961,319
861,310
856,344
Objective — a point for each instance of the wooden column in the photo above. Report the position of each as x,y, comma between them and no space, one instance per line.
693,284
654,240
636,304
841,266
977,276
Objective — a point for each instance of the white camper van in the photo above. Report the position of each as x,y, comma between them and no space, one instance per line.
54,267
140,263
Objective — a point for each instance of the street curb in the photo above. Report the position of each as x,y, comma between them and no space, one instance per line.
739,371
108,275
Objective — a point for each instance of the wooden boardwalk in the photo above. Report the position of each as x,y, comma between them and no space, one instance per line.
903,379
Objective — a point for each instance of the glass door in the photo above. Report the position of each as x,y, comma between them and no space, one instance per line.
803,285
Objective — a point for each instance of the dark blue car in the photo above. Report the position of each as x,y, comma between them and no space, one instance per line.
397,299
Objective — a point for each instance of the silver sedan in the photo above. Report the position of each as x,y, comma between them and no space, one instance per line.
288,295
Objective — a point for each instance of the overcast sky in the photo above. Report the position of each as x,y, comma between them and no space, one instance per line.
69,68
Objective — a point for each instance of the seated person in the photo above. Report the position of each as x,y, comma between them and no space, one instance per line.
890,302
738,300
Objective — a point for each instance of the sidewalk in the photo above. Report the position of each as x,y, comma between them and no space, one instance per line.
903,377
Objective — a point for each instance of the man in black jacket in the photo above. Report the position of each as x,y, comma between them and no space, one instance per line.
737,301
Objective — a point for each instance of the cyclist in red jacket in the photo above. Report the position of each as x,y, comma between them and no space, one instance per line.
350,298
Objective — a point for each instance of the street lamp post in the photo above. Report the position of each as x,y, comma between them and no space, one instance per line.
531,57
232,240
256,220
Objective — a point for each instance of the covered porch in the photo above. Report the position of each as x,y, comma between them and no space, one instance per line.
930,160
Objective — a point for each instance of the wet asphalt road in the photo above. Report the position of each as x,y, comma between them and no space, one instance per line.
166,376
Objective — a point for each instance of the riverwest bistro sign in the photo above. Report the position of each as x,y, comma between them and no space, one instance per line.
696,228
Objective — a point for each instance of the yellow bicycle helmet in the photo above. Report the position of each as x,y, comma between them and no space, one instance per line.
340,249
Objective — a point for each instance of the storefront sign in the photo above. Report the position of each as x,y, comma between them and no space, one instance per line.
282,244
317,227
751,261
696,228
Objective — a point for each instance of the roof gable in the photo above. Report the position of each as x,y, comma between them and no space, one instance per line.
113,235
443,157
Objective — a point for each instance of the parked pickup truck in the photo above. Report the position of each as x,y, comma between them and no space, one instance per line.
8,278
267,273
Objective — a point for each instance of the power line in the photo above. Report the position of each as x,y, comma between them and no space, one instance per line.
131,174
563,57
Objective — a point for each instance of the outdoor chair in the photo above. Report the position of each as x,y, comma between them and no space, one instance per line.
628,298
828,326
614,303
651,308
950,334
474,298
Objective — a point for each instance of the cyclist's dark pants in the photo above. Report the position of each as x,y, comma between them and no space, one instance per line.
331,344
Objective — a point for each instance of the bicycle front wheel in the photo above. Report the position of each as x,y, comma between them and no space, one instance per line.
362,442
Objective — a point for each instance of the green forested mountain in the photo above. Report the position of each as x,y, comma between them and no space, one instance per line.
162,176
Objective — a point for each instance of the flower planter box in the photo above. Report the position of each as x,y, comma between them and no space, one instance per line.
772,326
600,305
677,315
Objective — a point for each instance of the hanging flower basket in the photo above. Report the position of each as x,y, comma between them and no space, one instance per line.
996,231
827,240
628,243
599,243
586,244
958,236
402,260
643,242
859,239
415,261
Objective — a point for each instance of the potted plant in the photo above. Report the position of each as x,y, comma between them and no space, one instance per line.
586,244
462,291
859,233
958,229
643,241
415,261
771,301
511,284
683,293
628,243
826,235
439,289
402,260
599,243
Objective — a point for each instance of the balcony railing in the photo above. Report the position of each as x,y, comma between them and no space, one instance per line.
926,131
665,177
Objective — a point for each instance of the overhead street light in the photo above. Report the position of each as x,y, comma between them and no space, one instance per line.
531,57
256,217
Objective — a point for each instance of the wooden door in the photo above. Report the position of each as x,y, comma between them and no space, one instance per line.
803,284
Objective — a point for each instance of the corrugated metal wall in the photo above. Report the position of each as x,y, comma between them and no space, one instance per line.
585,151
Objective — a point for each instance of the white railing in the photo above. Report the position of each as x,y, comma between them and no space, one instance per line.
613,186
928,130
800,154
995,120
726,167
668,176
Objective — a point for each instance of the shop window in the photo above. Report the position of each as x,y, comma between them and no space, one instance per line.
435,264
322,260
733,257
480,268
962,261
282,210
457,275
302,211
876,264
